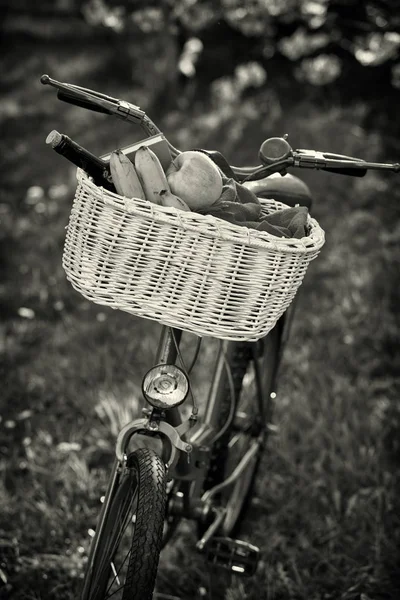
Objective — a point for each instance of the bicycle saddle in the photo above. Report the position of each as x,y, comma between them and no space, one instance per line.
287,189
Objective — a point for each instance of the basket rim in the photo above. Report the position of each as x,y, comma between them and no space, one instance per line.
195,221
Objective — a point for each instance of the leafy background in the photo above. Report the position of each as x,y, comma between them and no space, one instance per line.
216,74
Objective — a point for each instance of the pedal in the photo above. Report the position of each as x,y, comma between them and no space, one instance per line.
234,555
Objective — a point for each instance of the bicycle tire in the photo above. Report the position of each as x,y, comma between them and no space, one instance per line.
236,497
140,501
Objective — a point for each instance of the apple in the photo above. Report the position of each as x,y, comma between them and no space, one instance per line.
196,179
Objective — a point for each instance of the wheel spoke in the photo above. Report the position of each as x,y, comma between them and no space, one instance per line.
115,574
113,544
115,592
118,539
121,531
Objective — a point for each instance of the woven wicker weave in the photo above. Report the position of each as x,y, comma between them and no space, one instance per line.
190,271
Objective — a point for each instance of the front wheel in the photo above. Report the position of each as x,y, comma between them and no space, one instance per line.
125,560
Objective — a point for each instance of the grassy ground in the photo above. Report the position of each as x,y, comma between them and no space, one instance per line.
326,515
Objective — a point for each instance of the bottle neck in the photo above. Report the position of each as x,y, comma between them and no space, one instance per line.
95,167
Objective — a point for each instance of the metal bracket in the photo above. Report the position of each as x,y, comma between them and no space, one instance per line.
125,110
165,429
173,434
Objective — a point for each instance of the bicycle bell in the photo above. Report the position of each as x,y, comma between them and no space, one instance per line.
274,149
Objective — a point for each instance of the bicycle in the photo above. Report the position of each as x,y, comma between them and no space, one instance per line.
206,464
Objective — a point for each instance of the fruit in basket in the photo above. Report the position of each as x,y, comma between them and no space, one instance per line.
151,174
124,176
196,179
169,199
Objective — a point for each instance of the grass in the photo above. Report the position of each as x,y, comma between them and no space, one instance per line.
326,513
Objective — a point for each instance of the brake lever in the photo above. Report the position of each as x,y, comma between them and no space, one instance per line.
329,155
346,165
83,96
98,102
332,163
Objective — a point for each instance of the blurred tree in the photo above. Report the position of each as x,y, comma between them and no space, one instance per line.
323,40
319,37
348,48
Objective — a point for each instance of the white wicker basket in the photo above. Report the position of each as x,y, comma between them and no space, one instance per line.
194,272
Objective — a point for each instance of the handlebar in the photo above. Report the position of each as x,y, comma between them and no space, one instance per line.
92,100
276,154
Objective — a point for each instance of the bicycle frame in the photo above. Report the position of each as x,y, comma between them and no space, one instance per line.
189,466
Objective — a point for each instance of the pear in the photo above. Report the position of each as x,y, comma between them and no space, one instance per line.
196,179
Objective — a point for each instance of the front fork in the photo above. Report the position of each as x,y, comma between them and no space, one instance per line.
172,443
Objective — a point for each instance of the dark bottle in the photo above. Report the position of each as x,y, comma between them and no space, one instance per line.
97,168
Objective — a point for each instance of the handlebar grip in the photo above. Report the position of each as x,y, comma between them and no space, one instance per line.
82,103
347,171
